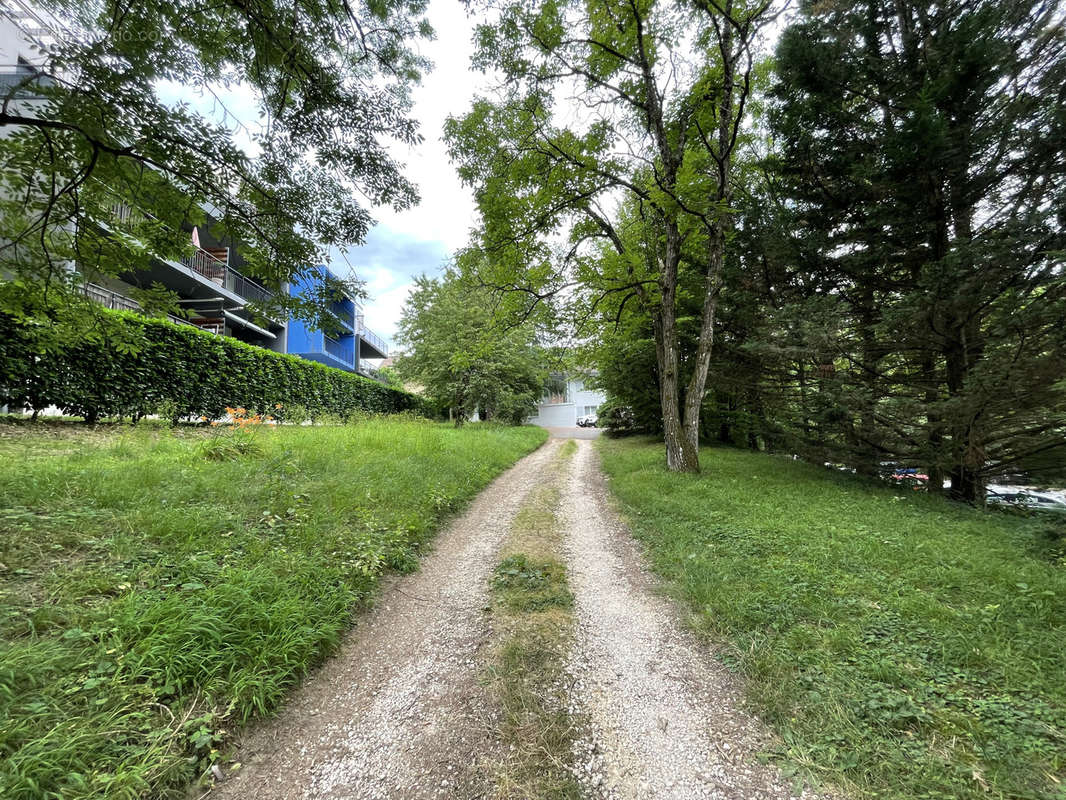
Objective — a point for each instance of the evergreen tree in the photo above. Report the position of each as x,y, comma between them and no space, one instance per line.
923,168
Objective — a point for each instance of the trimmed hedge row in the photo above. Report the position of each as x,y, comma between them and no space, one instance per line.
153,366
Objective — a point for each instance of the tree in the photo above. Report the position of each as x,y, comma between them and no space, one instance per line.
923,169
661,92
94,134
462,359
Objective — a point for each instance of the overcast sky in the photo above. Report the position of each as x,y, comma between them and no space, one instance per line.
406,244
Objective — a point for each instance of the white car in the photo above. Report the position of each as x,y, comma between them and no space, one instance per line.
588,421
1025,498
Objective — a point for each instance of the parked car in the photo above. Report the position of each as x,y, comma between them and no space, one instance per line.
588,421
1025,498
909,476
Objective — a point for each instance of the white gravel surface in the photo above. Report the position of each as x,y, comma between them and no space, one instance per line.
664,718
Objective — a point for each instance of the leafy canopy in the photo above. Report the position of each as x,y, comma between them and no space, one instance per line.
462,358
330,80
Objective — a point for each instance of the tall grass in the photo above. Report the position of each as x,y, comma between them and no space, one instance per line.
900,644
157,590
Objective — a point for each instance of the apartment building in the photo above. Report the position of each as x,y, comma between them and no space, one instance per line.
213,291
349,346
565,400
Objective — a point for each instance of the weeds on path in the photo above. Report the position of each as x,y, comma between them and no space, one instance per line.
533,625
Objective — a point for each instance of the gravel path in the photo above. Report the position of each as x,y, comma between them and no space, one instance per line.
400,711
664,718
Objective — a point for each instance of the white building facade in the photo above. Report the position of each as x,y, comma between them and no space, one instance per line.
568,400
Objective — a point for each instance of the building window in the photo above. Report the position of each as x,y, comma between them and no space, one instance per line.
556,391
590,411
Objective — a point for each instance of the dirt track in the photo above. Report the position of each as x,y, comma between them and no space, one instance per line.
402,710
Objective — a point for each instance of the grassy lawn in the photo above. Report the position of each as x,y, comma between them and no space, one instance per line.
900,645
158,587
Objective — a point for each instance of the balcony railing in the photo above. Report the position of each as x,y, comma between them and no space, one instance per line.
207,265
247,288
119,302
343,349
215,269
344,313
109,299
123,214
373,338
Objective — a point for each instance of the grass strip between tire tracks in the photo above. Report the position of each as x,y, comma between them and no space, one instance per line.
533,631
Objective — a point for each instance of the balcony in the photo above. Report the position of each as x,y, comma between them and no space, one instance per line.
217,270
314,345
109,299
344,312
119,302
374,341
342,349
247,288
211,267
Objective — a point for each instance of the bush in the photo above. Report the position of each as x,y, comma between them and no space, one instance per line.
136,366
618,419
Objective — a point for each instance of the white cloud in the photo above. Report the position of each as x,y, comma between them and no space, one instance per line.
383,315
446,212
409,243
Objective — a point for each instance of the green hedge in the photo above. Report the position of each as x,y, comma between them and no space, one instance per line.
140,366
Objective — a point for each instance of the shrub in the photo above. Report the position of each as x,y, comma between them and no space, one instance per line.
139,366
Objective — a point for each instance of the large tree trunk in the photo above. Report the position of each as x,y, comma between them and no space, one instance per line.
965,348
460,404
719,229
867,446
697,385
967,439
682,453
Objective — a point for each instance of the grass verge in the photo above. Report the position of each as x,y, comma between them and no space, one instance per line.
902,645
533,622
158,587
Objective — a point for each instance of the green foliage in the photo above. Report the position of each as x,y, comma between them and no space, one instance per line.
136,366
117,123
463,357
631,205
229,445
532,584
900,644
151,600
904,249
